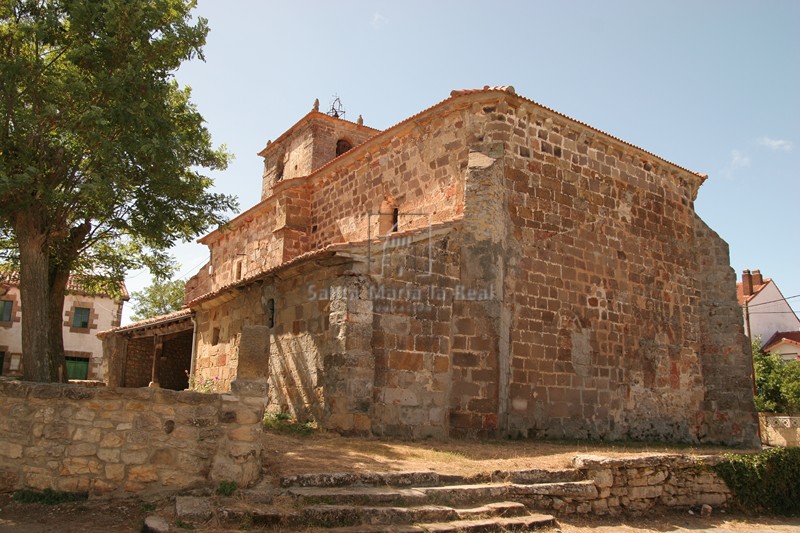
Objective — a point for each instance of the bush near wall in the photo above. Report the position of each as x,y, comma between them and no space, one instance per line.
764,482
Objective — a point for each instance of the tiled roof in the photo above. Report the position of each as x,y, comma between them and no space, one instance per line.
184,313
792,337
329,250
756,289
73,285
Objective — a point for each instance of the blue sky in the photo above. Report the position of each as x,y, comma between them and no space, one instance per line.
709,85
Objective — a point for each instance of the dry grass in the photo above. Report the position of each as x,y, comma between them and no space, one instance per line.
323,452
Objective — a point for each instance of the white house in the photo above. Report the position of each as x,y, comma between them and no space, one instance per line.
765,310
784,343
85,314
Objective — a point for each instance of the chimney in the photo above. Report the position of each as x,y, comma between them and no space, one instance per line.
757,278
747,283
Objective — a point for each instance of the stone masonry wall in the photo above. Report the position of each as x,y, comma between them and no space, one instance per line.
603,282
413,286
300,342
728,412
419,171
219,328
639,484
118,441
138,369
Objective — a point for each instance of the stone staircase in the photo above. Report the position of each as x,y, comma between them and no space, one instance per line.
409,501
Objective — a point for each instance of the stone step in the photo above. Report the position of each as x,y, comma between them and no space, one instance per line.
518,523
330,515
576,490
452,495
427,478
521,523
359,495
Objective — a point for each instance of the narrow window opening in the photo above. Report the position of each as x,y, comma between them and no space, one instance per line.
271,313
279,170
395,220
342,146
214,336
238,271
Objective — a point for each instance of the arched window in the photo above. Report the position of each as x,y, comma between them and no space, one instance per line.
342,146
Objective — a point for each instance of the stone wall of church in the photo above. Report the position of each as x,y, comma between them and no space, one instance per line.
603,285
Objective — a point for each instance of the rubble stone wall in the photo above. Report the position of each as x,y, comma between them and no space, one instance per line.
642,483
119,440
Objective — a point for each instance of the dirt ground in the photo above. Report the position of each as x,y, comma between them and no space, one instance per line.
288,453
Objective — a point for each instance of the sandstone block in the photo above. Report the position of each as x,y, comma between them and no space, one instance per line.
192,509
142,473
640,493
10,450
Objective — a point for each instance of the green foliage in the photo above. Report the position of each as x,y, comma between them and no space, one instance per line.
202,384
48,496
764,482
777,382
104,159
285,423
227,488
160,298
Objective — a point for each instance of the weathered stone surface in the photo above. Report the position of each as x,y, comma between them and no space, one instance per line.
109,448
155,524
192,509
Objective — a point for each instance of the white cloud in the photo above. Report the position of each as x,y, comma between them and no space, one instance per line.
738,160
775,144
379,21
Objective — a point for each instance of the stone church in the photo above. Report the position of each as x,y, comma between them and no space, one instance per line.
487,267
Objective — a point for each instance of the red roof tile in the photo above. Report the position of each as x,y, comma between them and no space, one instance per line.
73,285
756,289
792,337
156,320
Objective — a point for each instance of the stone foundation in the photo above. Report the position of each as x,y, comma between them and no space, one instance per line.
108,441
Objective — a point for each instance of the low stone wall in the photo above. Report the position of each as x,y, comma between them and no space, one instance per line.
779,430
119,440
645,482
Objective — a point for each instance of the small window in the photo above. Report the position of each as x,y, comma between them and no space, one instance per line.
80,317
271,313
2,362
6,307
342,146
214,336
238,271
395,219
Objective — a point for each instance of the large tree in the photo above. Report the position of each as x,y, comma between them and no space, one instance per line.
103,157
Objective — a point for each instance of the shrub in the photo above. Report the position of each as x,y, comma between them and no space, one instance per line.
764,482
48,496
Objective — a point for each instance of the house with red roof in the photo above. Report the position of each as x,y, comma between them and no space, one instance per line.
765,310
486,267
786,344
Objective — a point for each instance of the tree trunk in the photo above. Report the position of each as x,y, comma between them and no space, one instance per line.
56,360
35,299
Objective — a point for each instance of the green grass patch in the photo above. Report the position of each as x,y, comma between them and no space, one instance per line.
285,423
227,488
765,482
49,496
